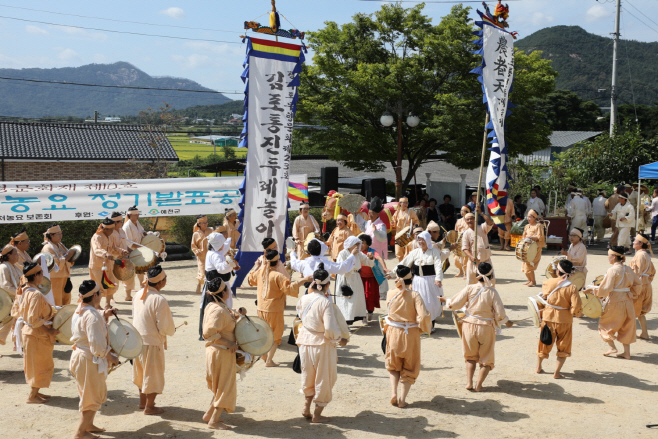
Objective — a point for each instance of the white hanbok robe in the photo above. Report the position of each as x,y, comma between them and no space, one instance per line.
354,306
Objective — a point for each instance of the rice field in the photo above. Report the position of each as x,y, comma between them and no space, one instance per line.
187,150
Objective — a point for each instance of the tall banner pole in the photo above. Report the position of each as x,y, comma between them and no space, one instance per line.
477,201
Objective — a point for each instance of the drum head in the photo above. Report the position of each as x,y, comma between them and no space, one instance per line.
402,232
452,236
382,324
124,339
531,251
254,335
125,270
457,317
50,261
578,279
63,323
44,286
296,326
533,309
592,307
446,265
342,324
290,244
552,267
142,258
153,242
5,305
598,280
78,252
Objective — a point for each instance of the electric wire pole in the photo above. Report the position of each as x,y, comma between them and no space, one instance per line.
613,99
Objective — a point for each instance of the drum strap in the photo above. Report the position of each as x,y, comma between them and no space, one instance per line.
563,284
306,310
403,325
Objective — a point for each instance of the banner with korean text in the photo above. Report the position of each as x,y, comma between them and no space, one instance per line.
496,76
55,201
271,76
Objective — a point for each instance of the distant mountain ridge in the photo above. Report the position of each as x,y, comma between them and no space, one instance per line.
584,62
27,99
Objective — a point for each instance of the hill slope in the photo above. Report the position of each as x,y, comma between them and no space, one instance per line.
584,62
38,100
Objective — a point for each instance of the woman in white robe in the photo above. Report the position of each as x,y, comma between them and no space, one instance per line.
352,307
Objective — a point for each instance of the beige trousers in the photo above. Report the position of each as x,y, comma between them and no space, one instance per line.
478,343
221,377
148,369
92,386
38,361
618,322
319,372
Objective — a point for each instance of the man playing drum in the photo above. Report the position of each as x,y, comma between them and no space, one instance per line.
338,236
91,356
134,234
402,218
619,288
120,241
273,287
485,313
10,277
199,247
407,319
102,257
62,255
535,232
468,244
562,303
413,245
317,341
644,269
152,318
303,225
577,252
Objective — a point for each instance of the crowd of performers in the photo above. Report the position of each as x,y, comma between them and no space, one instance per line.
355,254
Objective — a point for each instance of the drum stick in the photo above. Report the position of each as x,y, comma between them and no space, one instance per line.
517,321
182,324
119,320
252,324
652,425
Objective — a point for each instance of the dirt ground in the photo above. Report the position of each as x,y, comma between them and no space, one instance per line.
600,397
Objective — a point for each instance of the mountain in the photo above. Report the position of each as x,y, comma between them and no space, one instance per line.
584,62
27,99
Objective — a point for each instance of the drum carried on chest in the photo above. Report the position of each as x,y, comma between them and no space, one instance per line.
458,250
254,335
526,250
62,322
6,301
125,340
142,258
551,269
458,318
154,242
123,269
592,306
598,280
404,237
44,286
534,308
578,279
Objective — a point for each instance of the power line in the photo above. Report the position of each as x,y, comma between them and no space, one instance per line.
645,15
118,21
638,19
119,31
120,86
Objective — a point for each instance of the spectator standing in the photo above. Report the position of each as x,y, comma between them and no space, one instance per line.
447,211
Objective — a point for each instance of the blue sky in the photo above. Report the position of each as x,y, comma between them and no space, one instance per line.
217,64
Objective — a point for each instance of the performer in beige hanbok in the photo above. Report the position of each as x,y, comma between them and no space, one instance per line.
484,250
485,313
303,225
271,244
199,247
610,205
10,277
101,260
403,217
534,230
153,320
645,270
120,242
317,340
577,252
221,371
232,223
460,227
91,357
134,234
504,235
619,288
34,317
338,236
62,255
562,303
21,241
407,319
272,289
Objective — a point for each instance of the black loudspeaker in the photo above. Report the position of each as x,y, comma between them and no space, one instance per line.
328,180
374,187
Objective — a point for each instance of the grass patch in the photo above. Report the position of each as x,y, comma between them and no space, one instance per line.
187,150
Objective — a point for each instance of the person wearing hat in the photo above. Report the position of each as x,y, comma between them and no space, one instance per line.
232,224
303,225
460,227
272,289
376,228
10,277
21,241
350,291
119,240
338,236
221,370
407,319
270,244
317,341
316,250
645,270
624,213
483,248
153,320
599,212
562,303
535,231
577,252
199,247
414,244
134,234
62,255
34,332
435,232
91,357
101,258
619,288
485,313
403,217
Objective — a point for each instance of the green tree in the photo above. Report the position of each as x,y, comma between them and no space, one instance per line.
564,110
229,152
398,55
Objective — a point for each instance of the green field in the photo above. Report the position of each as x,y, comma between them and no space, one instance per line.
187,150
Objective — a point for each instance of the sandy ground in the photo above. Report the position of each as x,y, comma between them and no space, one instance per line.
600,397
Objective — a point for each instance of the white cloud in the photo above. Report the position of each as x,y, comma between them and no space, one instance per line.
539,18
68,55
35,30
596,13
174,12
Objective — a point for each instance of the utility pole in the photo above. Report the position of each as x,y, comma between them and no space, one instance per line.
95,116
613,99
